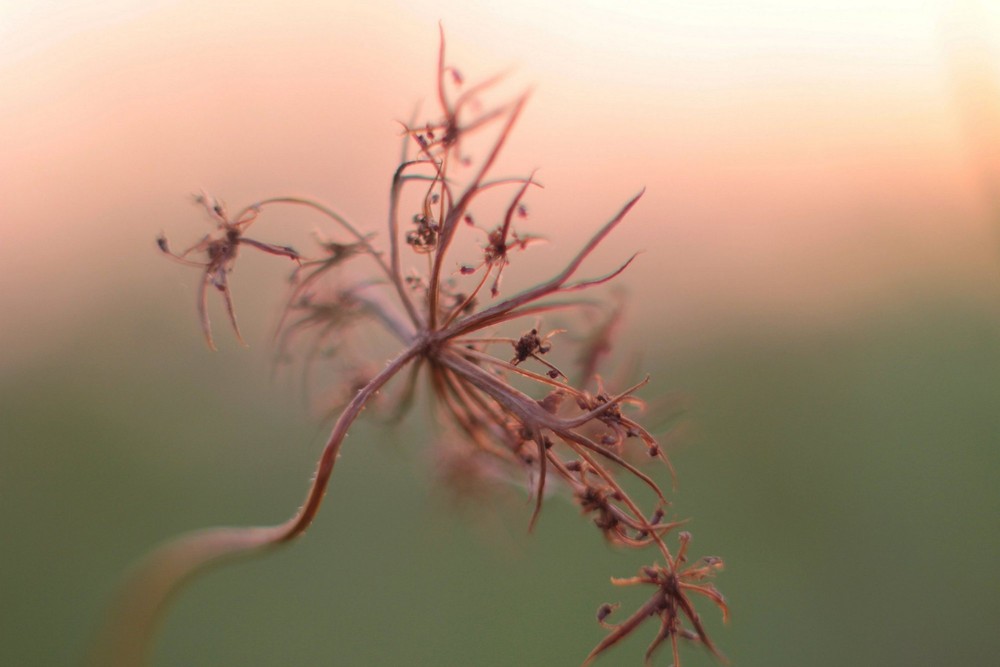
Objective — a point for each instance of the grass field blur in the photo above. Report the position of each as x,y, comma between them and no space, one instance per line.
848,479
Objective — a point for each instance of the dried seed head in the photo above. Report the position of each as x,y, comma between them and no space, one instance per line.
604,611
424,238
554,433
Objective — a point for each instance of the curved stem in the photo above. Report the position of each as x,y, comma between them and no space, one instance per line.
395,272
126,636
351,229
325,210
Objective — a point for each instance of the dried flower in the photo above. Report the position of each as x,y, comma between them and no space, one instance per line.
670,602
578,441
220,256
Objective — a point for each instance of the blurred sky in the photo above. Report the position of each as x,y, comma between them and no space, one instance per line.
805,161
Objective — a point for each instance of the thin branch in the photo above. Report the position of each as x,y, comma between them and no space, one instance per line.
126,637
477,320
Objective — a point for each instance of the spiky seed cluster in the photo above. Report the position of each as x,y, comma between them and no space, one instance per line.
583,440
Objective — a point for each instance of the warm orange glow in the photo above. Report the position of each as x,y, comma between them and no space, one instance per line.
802,159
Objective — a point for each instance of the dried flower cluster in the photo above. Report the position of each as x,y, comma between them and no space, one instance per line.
516,413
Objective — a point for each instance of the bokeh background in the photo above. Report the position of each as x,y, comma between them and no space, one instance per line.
820,275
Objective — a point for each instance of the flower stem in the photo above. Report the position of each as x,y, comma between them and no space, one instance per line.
126,637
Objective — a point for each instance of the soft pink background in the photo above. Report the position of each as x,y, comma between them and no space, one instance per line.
806,163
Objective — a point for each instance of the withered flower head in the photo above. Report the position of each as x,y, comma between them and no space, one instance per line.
220,252
671,602
481,357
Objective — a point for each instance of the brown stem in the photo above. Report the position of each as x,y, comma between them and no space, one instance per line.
126,636
456,213
390,273
395,190
476,321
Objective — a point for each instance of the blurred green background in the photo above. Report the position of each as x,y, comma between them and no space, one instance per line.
848,479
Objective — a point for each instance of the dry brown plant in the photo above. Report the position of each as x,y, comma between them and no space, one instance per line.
516,415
